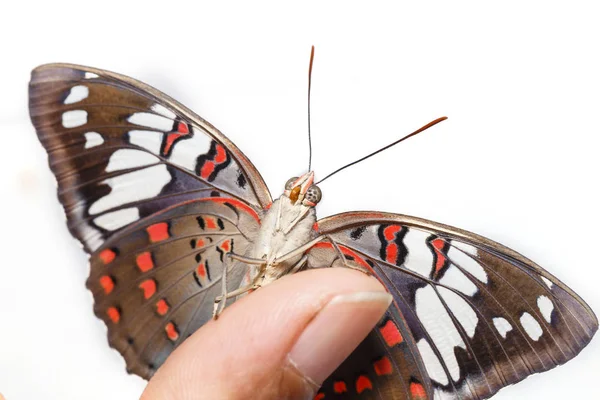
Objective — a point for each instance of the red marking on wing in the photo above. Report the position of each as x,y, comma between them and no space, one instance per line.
171,137
390,232
438,245
162,307
144,261
107,256
226,245
210,223
390,333
268,205
391,253
315,227
358,259
201,270
207,169
149,288
183,128
417,391
171,330
199,243
339,387
221,155
113,314
107,283
323,245
363,383
158,232
319,396
383,366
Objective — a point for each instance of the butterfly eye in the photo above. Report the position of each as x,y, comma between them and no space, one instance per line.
290,182
313,194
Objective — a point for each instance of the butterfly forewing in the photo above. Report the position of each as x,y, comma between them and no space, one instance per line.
481,316
121,151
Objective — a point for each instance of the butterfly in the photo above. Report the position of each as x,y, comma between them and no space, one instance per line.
178,223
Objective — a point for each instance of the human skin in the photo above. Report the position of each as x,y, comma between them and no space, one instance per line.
280,342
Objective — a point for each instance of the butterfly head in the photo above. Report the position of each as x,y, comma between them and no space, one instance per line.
302,190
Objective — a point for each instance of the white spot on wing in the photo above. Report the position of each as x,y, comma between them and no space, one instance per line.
467,248
547,281
420,258
440,327
162,110
546,307
467,263
114,220
74,118
440,394
432,363
502,326
90,75
77,93
185,153
456,279
129,158
91,236
531,326
150,120
93,139
150,140
133,186
461,310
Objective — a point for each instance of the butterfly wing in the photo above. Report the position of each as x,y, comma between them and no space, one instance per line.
121,150
480,315
154,193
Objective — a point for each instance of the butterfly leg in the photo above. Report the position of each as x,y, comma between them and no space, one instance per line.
341,257
310,244
298,251
278,221
246,260
299,264
219,306
221,300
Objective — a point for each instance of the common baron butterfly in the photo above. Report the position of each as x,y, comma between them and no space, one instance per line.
178,223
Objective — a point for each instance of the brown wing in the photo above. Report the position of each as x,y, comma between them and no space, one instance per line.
154,283
481,315
121,150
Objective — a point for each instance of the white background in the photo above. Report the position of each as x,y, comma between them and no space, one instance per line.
517,161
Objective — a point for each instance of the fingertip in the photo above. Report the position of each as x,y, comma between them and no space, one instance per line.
279,338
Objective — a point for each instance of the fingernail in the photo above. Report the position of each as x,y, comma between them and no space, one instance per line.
335,332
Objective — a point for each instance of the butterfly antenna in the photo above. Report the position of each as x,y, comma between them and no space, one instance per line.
429,125
312,56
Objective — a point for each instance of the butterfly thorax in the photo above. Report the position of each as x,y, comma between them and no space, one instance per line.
285,227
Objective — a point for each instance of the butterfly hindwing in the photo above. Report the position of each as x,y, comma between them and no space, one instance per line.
122,150
481,315
386,365
154,283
